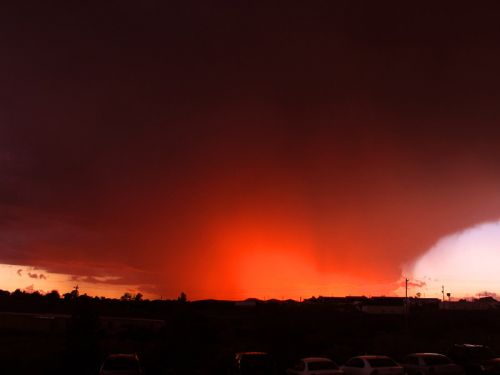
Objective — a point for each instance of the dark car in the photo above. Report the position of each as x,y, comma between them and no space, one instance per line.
474,359
253,363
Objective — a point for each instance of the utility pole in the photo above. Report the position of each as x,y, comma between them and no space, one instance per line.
406,288
442,291
406,295
407,307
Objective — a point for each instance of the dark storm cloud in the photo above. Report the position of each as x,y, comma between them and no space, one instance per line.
40,276
90,279
127,129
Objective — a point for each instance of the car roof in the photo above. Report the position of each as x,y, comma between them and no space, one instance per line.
316,359
427,355
470,346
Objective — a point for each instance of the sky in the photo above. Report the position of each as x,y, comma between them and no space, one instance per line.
249,150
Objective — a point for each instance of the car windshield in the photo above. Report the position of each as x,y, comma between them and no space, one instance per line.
435,360
121,364
322,365
381,362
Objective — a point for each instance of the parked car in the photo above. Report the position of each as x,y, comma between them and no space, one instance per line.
430,364
253,363
474,359
314,366
123,364
372,365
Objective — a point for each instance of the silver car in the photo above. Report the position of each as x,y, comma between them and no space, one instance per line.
314,366
430,364
372,365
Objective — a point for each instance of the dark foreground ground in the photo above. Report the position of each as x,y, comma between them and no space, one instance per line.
201,338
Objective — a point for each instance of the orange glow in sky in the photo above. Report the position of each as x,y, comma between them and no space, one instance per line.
231,152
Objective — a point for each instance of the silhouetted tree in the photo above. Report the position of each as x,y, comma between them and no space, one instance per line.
75,292
182,297
53,295
138,297
4,293
126,297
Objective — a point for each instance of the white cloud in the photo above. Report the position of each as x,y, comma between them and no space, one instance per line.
465,262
